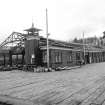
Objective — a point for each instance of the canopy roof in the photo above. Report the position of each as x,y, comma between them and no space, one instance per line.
73,46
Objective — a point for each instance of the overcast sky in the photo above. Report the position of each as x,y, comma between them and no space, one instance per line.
67,18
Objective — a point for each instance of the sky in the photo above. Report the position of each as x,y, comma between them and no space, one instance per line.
67,19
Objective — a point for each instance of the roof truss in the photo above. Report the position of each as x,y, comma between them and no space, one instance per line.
15,39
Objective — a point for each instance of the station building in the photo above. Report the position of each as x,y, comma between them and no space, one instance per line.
61,54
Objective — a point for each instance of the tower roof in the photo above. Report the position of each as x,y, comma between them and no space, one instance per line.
32,29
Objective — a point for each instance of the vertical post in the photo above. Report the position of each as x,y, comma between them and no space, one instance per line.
4,60
23,54
10,58
47,39
32,27
84,47
12,40
16,59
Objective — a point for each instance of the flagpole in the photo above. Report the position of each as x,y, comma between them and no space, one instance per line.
84,47
47,38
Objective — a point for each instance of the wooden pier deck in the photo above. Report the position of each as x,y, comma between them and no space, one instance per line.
82,86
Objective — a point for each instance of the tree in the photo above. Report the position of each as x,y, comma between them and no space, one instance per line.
104,34
75,40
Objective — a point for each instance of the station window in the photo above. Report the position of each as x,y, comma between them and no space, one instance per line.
58,57
77,56
70,57
44,57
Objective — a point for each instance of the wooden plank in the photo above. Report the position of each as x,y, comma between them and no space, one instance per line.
38,86
18,83
100,99
14,101
103,103
69,92
94,95
54,87
81,94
